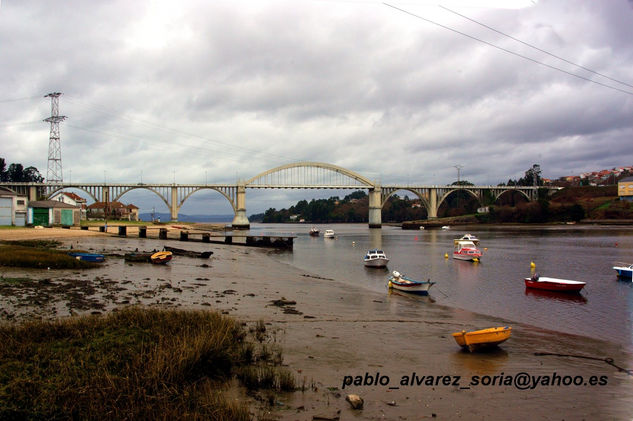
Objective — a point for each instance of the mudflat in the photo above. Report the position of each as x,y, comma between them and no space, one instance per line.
395,351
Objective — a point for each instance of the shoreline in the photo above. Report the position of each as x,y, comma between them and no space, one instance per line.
333,333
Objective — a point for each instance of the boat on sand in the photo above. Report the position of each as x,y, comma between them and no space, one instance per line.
87,257
402,283
478,340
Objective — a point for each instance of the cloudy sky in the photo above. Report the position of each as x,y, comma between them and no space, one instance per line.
401,91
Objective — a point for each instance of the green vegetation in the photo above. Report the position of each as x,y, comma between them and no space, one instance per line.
132,364
40,255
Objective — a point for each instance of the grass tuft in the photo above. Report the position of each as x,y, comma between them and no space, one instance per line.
132,364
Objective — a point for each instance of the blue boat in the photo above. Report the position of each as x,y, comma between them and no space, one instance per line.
88,257
625,271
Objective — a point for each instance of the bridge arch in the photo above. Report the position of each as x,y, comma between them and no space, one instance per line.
422,198
451,191
498,194
123,192
189,194
288,177
56,190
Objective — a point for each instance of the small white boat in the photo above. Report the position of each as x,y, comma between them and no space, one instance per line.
446,227
625,271
328,234
468,237
466,250
376,259
402,283
314,232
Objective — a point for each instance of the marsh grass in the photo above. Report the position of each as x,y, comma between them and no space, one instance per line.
132,364
39,257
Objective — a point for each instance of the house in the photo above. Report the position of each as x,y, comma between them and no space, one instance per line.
53,212
12,208
625,189
112,210
73,199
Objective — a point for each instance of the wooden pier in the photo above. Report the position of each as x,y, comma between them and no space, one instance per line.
271,241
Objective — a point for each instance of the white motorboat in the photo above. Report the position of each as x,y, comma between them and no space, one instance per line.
466,250
328,234
376,259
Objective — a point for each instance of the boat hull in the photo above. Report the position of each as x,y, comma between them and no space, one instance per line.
161,257
468,257
376,263
553,284
624,272
410,286
188,253
482,339
88,257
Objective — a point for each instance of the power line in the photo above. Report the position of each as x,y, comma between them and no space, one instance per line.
508,51
536,48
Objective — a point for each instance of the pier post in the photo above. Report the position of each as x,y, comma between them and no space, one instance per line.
240,221
184,236
142,232
123,230
206,238
375,207
162,233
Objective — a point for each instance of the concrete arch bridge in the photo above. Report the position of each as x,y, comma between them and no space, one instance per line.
300,175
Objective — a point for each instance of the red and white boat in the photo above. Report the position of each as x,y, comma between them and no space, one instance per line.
554,284
466,250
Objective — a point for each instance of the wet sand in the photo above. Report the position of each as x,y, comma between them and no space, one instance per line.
332,332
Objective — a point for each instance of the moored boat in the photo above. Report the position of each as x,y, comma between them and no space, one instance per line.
88,257
402,283
466,250
482,339
468,237
553,284
625,271
189,253
376,259
314,232
328,234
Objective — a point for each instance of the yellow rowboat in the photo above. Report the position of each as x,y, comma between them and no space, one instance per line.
482,339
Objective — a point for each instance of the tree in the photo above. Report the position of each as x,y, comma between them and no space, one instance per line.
3,170
17,173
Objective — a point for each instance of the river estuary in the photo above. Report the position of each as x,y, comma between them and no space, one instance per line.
494,286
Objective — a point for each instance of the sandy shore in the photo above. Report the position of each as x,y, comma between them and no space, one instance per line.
395,351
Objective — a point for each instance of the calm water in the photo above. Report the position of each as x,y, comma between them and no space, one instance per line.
495,285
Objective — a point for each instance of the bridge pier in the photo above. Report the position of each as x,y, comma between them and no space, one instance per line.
432,210
240,221
174,203
375,208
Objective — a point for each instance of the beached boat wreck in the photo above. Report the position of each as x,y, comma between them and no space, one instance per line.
189,253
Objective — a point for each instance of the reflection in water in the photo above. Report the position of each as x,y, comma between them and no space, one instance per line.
375,238
555,295
412,297
488,362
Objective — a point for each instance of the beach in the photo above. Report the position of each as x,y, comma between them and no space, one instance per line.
394,351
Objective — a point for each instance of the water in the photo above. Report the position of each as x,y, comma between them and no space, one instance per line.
494,286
